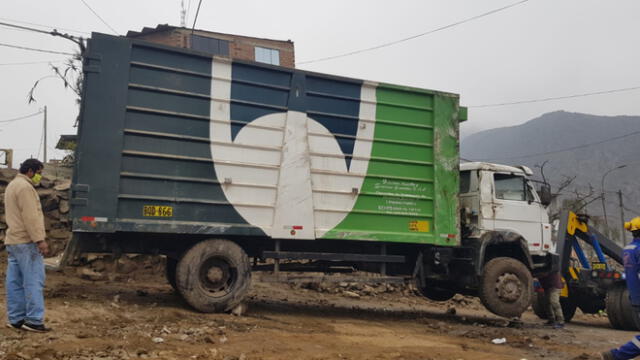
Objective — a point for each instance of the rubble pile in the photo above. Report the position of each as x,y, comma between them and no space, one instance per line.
54,197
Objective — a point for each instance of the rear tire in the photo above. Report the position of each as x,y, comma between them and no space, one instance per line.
506,287
214,275
170,272
541,309
614,311
435,293
539,305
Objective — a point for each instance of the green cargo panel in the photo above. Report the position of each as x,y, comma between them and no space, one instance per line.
410,193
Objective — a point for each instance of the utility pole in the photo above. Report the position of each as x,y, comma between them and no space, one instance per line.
622,233
45,134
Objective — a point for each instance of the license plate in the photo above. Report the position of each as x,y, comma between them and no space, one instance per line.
599,266
157,211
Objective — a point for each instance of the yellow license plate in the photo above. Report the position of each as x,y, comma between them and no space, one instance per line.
157,211
599,266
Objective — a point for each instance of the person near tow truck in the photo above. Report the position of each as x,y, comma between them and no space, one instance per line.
631,258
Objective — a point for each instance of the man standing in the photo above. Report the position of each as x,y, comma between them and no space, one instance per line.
25,242
631,258
552,284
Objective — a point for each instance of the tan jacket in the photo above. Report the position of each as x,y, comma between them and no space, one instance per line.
23,212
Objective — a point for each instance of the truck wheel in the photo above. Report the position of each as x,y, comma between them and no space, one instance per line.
569,307
214,275
614,311
506,287
539,305
435,293
630,320
170,272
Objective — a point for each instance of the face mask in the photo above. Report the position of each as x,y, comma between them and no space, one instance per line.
36,179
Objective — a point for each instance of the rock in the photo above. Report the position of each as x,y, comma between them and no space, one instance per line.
343,284
351,294
223,339
44,193
90,275
451,311
239,310
157,340
59,233
63,206
64,185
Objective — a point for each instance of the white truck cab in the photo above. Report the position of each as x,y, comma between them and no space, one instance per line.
501,198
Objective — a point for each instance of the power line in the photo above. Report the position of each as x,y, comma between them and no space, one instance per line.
414,36
21,117
34,49
563,150
556,98
196,18
99,17
46,26
32,62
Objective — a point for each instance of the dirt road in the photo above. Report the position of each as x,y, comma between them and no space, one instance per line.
140,316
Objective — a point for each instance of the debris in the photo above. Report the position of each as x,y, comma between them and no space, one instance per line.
157,340
240,309
499,341
223,339
351,294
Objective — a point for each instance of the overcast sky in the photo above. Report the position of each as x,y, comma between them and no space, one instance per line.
538,49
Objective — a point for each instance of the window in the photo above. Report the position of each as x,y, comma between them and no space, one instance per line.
510,187
465,181
210,45
267,56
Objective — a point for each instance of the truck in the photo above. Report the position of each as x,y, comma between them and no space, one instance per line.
226,167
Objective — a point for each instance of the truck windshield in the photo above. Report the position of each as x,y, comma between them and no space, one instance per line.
509,187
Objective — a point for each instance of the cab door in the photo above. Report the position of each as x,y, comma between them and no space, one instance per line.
515,208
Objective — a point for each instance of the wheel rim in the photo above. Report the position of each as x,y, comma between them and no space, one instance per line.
217,276
508,287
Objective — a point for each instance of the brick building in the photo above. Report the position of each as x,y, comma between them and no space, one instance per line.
275,52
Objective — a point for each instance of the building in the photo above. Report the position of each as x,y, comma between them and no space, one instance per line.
275,52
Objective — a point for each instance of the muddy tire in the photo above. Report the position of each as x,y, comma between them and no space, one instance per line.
170,272
214,275
506,287
435,293
614,310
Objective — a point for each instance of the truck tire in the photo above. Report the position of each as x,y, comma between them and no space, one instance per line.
569,306
170,272
214,275
506,287
435,293
614,311
629,314
539,305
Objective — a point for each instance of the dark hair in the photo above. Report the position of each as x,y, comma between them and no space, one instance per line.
30,164
636,233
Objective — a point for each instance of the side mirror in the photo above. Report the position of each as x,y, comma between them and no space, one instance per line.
545,194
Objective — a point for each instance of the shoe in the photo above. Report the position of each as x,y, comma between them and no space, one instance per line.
549,323
35,328
607,355
558,326
17,325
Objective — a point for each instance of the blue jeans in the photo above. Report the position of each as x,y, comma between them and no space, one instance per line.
25,284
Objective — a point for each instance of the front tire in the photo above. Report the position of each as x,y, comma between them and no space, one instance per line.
214,275
506,287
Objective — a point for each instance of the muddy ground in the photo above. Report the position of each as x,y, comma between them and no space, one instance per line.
132,313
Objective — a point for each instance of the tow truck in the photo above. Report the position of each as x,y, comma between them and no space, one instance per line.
591,283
